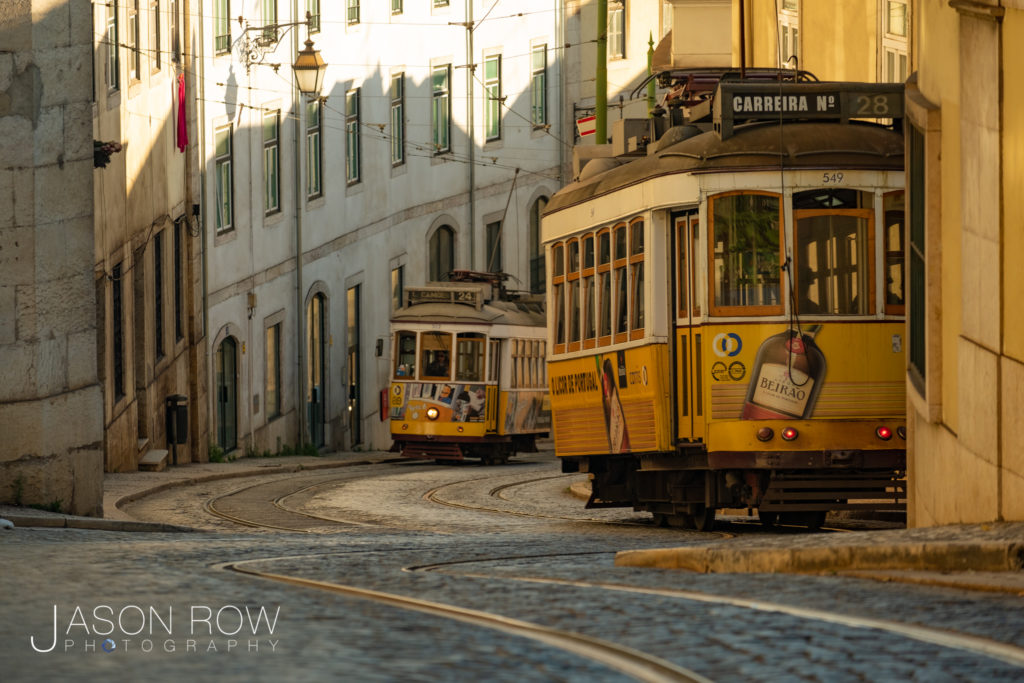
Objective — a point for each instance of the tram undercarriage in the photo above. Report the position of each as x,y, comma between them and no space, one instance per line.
496,451
685,489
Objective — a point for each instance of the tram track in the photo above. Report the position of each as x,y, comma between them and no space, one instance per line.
627,660
1005,652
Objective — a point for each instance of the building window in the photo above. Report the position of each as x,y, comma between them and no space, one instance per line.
789,32
273,378
314,150
442,253
440,3
745,245
179,309
222,26
494,247
269,11
113,51
175,6
397,119
271,162
440,118
538,85
894,62
154,34
492,97
353,12
117,331
134,53
396,6
916,257
158,294
225,179
313,9
616,29
397,287
352,148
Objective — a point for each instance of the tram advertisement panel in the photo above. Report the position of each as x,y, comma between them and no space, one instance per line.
454,402
614,402
832,370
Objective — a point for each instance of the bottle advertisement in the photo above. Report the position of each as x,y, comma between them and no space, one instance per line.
787,376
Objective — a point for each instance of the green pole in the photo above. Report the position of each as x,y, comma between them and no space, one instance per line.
651,97
601,80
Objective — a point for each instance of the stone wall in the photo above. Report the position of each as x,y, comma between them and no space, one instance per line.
51,407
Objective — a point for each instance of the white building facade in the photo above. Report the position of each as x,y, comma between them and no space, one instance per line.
433,147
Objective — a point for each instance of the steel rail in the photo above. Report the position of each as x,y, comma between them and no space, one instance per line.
627,660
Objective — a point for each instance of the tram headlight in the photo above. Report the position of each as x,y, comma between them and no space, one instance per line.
883,433
432,413
789,433
765,434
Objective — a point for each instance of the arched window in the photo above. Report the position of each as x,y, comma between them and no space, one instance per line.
442,253
536,250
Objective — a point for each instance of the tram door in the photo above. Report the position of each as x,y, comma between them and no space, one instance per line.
689,347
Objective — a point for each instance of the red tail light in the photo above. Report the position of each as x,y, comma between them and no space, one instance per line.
765,434
883,433
789,434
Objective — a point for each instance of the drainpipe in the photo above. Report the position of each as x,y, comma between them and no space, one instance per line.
203,217
300,345
601,77
470,75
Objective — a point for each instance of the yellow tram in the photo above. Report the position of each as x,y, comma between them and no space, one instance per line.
468,371
726,306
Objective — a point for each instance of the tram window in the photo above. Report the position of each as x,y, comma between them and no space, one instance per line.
604,248
620,242
621,307
405,354
637,277
574,311
895,250
605,315
557,260
588,251
494,360
636,238
745,247
574,256
589,326
434,355
833,198
559,303
469,357
833,263
682,266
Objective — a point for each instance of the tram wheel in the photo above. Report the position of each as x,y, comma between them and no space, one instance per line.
767,519
704,518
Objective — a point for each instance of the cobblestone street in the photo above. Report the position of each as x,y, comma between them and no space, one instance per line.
100,603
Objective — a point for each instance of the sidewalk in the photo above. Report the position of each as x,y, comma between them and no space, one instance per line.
120,489
986,557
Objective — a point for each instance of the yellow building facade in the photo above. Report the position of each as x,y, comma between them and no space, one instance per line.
963,65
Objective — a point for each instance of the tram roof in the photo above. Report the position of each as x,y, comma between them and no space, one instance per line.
529,313
753,147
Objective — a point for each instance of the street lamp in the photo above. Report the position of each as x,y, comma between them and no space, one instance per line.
309,68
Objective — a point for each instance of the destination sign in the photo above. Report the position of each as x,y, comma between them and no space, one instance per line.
442,295
738,102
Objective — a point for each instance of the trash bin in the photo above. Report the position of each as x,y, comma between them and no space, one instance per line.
177,423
